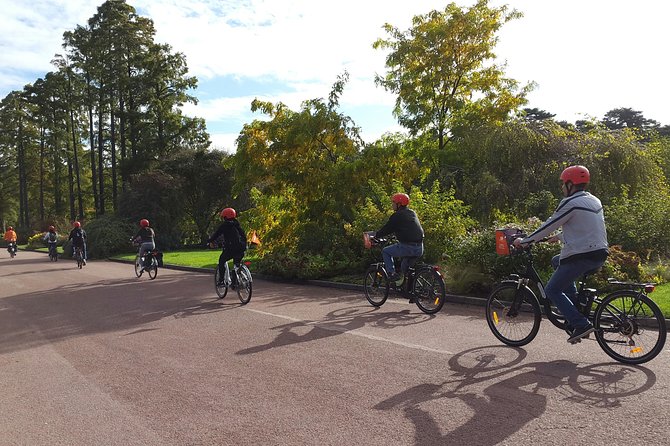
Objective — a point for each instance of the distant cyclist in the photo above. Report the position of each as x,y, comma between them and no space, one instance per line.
585,248
146,238
405,224
51,239
10,238
234,242
78,237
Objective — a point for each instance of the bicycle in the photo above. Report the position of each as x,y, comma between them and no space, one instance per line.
11,249
244,282
421,283
53,252
149,264
630,327
79,257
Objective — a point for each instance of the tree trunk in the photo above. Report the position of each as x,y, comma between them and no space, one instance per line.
91,139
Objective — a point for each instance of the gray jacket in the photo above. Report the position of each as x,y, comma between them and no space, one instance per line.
581,217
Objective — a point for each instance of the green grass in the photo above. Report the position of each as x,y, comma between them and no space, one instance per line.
662,297
193,258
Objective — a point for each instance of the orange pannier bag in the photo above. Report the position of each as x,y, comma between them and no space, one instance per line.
504,238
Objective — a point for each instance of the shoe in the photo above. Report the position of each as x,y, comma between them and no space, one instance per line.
394,277
580,333
84,262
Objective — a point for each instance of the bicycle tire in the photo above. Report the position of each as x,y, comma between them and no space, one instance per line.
221,290
630,327
153,268
376,285
80,259
429,290
244,287
138,267
513,323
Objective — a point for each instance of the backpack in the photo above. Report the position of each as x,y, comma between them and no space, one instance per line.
52,237
77,235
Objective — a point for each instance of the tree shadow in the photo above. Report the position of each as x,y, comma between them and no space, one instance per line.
517,393
338,322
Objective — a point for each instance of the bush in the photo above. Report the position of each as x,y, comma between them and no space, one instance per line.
106,235
37,240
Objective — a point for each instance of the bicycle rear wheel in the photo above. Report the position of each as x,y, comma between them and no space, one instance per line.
221,289
244,284
376,286
429,290
513,314
153,268
630,327
80,260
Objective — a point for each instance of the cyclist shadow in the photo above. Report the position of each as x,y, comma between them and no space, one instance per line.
507,404
336,323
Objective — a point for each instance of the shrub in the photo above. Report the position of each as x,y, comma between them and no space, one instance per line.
106,235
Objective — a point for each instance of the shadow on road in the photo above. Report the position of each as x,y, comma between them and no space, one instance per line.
504,394
337,322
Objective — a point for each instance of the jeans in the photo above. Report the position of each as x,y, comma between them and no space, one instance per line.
403,250
144,247
236,256
562,291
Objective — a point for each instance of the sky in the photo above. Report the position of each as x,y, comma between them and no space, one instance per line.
586,57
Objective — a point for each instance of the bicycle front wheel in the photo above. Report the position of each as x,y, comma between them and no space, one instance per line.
138,267
244,285
376,286
221,289
513,314
630,327
429,290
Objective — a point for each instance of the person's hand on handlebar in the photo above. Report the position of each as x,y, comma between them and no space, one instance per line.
517,243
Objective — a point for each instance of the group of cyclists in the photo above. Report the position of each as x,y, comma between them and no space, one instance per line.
579,215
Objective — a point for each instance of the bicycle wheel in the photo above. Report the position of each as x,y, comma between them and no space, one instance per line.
630,327
244,284
429,290
138,267
153,268
221,290
513,314
80,260
376,286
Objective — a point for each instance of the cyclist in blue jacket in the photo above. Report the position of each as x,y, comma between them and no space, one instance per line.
585,248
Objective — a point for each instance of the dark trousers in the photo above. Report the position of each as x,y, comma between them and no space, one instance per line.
225,256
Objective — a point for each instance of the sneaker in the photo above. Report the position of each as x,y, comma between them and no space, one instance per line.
394,277
580,333
84,262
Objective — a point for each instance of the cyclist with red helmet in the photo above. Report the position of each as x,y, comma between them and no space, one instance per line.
78,237
406,226
10,238
146,239
51,239
585,248
234,242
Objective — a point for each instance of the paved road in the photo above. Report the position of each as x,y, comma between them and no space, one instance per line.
99,357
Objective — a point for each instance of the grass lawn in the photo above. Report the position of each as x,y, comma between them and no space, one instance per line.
200,258
662,297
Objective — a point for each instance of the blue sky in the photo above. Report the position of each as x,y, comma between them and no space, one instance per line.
587,57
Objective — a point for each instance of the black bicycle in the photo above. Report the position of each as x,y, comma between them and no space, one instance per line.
421,283
79,257
53,252
630,327
11,249
244,282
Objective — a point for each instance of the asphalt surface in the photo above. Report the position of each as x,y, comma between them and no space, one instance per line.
100,357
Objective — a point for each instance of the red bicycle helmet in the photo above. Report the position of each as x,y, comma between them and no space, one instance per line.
228,213
401,199
52,229
576,175
10,228
77,224
144,223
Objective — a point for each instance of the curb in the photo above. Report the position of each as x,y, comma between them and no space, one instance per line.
455,298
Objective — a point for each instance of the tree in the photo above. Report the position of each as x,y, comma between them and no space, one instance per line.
535,114
441,70
620,118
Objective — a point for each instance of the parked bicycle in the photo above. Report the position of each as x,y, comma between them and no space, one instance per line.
151,260
79,257
630,327
421,283
11,249
244,282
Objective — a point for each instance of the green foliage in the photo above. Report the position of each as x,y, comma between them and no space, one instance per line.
621,265
37,240
105,236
